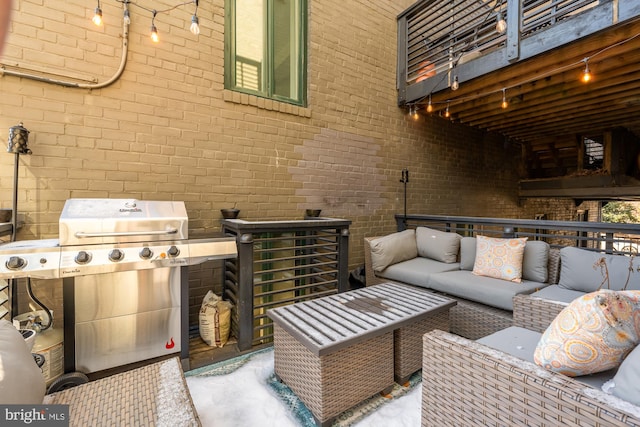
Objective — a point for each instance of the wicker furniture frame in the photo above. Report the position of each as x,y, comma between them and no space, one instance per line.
155,394
337,351
466,383
468,318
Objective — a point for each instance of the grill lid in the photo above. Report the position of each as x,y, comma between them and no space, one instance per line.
96,221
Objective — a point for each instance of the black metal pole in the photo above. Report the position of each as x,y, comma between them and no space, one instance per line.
14,213
405,180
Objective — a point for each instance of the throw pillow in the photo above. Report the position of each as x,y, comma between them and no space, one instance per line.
627,379
499,258
392,249
21,381
438,245
592,334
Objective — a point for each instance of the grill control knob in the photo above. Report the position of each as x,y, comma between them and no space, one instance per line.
15,263
146,253
116,255
173,251
83,257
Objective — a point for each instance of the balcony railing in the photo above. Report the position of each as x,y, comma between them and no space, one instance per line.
279,263
596,236
436,36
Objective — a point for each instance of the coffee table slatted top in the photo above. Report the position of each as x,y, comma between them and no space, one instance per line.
325,325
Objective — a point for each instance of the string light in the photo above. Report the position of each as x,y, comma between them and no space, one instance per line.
455,85
194,27
97,16
586,74
154,30
501,24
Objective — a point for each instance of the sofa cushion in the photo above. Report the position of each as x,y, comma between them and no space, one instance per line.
535,261
393,248
467,253
438,245
556,293
627,379
21,381
499,258
592,334
578,270
416,271
486,290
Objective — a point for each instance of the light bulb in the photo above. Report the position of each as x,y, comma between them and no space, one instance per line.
447,114
195,28
501,25
586,74
429,106
154,34
97,17
127,18
504,103
414,113
455,85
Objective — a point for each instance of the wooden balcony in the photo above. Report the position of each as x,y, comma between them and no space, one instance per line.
535,67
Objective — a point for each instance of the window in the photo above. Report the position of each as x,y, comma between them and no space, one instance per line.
265,48
593,152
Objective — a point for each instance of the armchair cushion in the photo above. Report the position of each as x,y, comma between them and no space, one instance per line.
578,270
627,380
438,245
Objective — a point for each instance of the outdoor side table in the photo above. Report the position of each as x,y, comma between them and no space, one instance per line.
336,351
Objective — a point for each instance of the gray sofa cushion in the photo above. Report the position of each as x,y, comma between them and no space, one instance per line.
416,271
394,248
522,343
486,290
627,380
556,293
467,253
438,245
514,340
577,270
535,260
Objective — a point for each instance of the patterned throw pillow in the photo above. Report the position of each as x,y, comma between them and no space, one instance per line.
499,258
592,334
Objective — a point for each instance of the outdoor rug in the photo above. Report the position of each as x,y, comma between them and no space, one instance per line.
284,394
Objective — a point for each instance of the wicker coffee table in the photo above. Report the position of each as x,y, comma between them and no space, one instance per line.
336,351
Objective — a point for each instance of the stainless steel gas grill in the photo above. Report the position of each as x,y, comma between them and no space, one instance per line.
124,268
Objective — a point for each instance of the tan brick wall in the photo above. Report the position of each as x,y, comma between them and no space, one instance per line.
167,129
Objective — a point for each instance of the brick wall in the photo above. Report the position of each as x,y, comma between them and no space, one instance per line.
167,130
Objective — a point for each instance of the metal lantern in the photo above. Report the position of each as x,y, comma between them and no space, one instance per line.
18,139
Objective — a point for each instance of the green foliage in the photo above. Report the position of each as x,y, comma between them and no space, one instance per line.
619,212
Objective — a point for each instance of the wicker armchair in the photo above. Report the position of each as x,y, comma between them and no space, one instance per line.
466,383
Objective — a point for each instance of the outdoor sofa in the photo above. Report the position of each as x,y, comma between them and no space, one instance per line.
443,262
